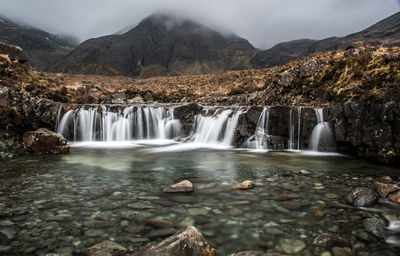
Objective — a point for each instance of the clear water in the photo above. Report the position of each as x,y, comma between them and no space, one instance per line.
68,203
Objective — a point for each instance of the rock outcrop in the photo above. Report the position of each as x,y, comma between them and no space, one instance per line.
43,141
13,52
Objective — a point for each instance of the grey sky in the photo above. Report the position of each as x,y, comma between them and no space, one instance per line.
263,22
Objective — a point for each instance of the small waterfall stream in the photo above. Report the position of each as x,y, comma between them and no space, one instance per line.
322,138
101,123
216,129
260,138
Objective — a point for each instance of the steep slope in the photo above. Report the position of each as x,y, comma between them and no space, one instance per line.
386,32
161,45
42,48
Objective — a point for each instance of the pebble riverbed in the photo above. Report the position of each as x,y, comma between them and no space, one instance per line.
66,203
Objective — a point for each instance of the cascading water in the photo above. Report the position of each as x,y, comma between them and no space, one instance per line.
294,144
291,142
322,138
260,138
216,129
299,128
100,123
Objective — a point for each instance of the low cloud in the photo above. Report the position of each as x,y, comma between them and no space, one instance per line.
263,22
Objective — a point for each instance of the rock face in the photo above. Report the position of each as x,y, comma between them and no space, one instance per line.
188,242
161,45
43,141
386,31
362,197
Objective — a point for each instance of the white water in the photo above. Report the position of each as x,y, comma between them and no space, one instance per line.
216,129
259,140
322,136
130,123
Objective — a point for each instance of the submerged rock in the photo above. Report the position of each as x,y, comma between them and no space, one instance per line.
247,184
330,240
291,246
362,197
107,248
43,141
180,187
184,243
160,223
375,226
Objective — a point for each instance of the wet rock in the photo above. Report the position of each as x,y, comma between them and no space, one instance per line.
181,187
395,197
100,224
362,197
7,234
43,141
375,226
162,232
330,240
290,246
247,184
186,242
107,247
338,251
160,223
385,188
284,197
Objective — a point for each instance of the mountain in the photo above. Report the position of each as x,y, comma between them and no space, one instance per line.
43,49
161,45
386,32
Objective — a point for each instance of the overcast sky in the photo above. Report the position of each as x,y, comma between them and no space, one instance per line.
263,22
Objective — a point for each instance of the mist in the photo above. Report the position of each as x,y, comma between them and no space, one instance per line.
263,22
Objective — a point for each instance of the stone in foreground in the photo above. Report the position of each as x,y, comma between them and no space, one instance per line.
181,187
247,184
107,248
362,197
188,242
43,141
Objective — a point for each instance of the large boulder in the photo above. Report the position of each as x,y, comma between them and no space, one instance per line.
43,141
362,197
188,242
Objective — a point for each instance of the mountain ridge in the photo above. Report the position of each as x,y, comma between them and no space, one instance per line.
160,45
43,49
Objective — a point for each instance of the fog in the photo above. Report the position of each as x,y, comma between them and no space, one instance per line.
263,22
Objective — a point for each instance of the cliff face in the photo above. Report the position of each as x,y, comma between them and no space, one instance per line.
161,45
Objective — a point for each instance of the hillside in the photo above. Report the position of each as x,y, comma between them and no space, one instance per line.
160,45
385,32
42,48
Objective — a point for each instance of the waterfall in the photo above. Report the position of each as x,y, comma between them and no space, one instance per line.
260,138
291,143
322,138
216,129
101,123
294,144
